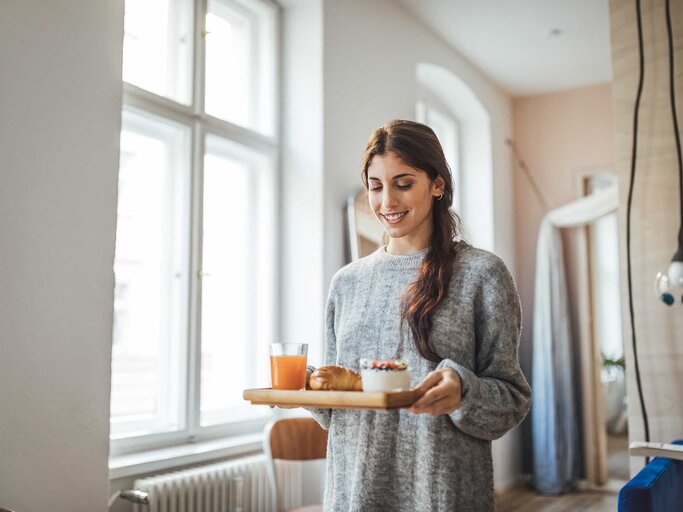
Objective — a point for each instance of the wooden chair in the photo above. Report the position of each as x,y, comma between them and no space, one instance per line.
293,439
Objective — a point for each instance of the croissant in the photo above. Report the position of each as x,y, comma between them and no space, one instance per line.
335,378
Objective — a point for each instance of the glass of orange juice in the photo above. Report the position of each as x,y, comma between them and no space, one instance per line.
288,365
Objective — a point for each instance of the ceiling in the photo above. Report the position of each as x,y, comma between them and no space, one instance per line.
516,44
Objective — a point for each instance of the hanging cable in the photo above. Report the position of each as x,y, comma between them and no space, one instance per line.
634,153
674,116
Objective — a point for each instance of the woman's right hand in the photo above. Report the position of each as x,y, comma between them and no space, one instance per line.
441,393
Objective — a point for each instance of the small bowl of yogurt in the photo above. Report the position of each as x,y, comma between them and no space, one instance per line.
384,376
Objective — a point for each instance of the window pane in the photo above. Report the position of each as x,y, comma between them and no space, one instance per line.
157,47
233,333
148,266
240,64
446,130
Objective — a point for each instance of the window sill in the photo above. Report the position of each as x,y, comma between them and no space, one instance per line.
157,460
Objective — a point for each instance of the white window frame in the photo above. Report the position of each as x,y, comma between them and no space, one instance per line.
182,179
140,100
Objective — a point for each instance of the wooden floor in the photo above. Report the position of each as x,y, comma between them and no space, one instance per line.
523,499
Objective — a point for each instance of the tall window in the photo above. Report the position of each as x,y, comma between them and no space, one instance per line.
445,126
195,247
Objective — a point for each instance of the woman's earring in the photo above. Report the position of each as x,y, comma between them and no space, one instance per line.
439,198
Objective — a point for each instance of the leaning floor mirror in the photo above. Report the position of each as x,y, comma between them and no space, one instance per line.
365,233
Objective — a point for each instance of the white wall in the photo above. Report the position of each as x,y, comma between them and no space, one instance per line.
60,100
371,50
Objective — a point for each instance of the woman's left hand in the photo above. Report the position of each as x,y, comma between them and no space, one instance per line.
441,393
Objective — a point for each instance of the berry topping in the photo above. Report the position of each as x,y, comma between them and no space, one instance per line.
388,365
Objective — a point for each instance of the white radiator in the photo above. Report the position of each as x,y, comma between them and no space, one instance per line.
239,485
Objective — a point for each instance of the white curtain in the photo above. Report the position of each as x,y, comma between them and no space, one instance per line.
554,418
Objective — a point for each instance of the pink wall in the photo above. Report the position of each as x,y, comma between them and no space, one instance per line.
558,135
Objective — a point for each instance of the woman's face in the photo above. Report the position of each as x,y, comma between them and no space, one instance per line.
401,198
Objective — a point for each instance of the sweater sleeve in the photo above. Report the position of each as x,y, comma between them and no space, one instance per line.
495,396
324,416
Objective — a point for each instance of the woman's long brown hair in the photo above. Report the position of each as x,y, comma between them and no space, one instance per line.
417,145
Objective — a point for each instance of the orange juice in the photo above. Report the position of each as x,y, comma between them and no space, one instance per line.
288,372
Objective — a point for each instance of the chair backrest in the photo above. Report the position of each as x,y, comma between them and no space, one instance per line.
292,439
297,439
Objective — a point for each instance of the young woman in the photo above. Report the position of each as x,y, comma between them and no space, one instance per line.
452,313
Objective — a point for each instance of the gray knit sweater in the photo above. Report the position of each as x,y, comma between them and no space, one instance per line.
395,460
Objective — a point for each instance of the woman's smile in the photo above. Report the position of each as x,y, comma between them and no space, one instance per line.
394,218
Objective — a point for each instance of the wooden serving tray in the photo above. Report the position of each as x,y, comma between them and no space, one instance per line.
331,399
